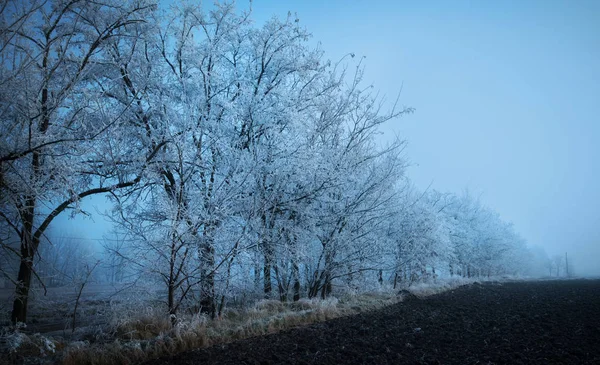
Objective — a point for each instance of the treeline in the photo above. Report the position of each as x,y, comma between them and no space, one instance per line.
237,158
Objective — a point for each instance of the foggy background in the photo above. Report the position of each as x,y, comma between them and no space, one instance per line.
506,99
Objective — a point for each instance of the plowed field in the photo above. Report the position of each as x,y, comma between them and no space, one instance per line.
544,322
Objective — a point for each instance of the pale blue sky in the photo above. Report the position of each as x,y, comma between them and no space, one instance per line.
506,95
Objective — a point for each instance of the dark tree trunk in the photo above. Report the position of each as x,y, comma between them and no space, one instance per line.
29,245
267,250
295,275
329,264
327,287
257,276
315,285
207,276
283,283
296,278
172,279
171,302
19,312
267,288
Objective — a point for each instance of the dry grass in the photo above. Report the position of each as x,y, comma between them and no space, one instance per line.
422,290
136,335
144,325
149,334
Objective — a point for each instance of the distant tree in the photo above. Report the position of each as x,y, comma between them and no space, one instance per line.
540,263
114,264
60,260
558,263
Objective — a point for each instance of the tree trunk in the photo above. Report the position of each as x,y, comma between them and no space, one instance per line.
296,278
171,301
19,312
329,264
315,286
207,277
29,245
327,287
257,275
283,284
267,288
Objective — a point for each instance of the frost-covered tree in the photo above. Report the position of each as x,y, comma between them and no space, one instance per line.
422,241
455,235
54,119
61,260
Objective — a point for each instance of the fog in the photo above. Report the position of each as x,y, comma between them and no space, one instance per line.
506,99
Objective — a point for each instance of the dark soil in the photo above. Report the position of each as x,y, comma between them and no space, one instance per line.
546,322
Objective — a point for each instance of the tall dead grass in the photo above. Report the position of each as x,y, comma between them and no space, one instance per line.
136,333
149,334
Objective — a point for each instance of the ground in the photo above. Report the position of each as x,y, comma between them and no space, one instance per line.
544,322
